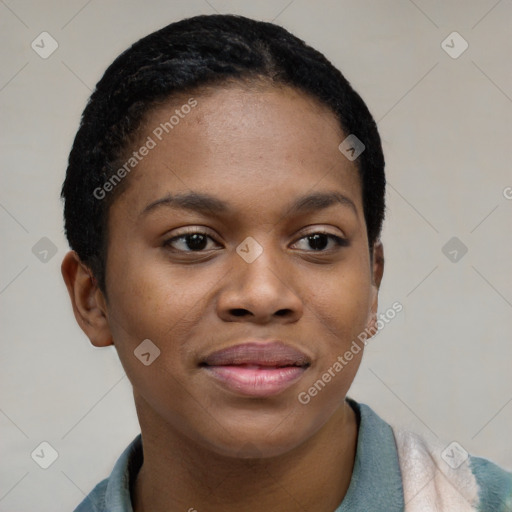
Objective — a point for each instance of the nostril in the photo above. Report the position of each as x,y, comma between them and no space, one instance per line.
239,312
282,312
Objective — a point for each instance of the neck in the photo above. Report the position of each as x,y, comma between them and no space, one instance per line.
179,475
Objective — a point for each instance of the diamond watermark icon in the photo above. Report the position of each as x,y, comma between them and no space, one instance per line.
146,352
44,249
249,249
454,455
454,249
44,45
352,147
454,45
44,455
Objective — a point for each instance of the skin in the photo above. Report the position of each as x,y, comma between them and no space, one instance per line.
205,447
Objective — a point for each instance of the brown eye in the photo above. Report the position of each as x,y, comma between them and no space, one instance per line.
320,242
189,242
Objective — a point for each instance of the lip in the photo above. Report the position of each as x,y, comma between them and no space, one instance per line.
257,369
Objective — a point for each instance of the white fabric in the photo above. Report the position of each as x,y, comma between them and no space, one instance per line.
429,483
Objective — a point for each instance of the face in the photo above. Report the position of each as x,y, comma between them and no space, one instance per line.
239,249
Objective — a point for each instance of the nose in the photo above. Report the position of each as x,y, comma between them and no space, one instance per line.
259,292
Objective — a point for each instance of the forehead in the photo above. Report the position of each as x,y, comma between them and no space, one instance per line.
243,142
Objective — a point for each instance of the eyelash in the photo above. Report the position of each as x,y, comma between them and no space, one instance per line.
339,241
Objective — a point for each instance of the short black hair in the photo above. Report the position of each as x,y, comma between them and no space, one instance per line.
205,50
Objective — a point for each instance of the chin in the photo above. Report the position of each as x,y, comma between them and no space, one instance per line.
250,442
250,449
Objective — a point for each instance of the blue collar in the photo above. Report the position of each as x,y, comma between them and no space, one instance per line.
376,482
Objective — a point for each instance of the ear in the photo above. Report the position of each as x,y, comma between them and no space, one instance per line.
88,301
377,272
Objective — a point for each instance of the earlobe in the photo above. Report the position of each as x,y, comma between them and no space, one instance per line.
89,305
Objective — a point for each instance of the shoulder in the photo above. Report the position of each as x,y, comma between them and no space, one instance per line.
494,483
450,478
113,493
95,500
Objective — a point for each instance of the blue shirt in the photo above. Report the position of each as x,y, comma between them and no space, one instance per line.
376,483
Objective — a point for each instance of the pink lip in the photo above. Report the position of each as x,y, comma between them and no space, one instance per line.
257,369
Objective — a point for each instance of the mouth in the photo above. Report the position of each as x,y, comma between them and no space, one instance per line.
257,369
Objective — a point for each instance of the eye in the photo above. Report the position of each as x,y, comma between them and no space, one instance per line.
194,241
319,242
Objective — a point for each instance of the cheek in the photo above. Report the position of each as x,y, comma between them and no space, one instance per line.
152,300
146,292
150,328
342,305
342,309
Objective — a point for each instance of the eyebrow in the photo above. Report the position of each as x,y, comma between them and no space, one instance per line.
320,201
194,201
207,204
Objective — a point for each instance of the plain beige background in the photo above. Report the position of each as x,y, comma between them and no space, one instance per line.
442,367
